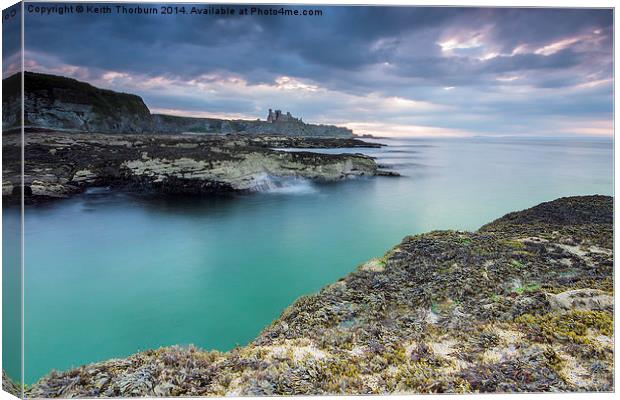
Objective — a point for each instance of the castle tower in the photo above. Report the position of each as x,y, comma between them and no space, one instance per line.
278,116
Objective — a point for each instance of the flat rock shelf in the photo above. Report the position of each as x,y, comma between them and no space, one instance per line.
59,164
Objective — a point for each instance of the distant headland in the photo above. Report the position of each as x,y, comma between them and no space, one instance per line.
66,104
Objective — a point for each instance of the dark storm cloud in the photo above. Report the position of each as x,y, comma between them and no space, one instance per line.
11,33
411,52
11,40
539,26
344,38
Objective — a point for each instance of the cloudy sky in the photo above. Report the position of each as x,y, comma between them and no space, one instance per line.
390,71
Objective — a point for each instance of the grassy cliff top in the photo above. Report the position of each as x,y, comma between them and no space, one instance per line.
71,90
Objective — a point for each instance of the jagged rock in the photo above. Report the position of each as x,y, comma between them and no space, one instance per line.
387,173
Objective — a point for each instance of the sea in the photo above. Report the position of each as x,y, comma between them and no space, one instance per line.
108,274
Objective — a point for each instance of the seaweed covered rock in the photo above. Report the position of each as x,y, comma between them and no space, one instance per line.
10,386
522,305
564,211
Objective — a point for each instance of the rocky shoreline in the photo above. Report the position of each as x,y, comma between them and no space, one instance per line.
524,304
61,164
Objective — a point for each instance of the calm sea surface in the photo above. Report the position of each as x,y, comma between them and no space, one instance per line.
110,274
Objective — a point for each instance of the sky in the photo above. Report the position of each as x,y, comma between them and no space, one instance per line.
409,71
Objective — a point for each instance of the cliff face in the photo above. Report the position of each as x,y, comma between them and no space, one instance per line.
67,104
59,103
11,105
175,124
523,304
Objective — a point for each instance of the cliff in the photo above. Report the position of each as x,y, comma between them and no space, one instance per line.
67,104
176,124
11,105
523,304
60,103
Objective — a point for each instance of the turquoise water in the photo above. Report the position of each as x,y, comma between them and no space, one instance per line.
11,296
109,274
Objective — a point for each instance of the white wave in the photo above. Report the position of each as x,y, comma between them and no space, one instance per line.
97,190
266,183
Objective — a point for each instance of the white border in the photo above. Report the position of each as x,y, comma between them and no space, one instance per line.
476,3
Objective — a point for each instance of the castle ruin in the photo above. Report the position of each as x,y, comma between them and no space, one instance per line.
277,116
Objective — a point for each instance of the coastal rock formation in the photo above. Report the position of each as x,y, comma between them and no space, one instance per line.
11,104
522,304
60,103
67,104
175,124
60,164
9,386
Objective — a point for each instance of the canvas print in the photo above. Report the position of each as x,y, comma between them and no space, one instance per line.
230,200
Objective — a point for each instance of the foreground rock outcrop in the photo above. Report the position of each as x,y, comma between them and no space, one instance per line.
523,304
59,164
61,103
